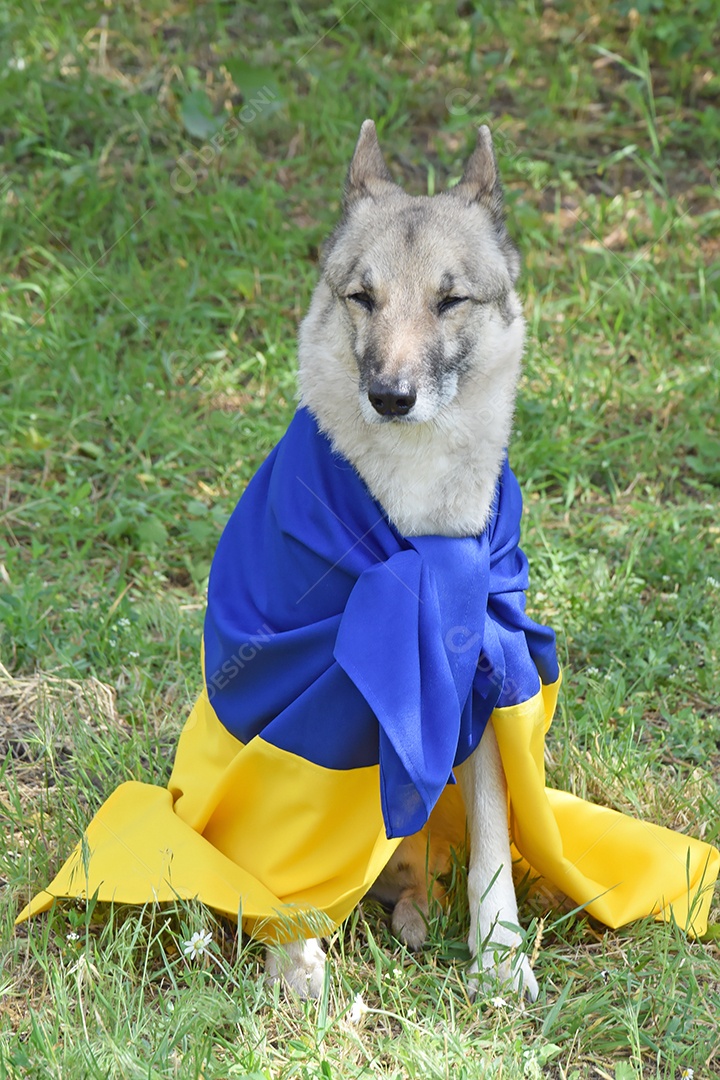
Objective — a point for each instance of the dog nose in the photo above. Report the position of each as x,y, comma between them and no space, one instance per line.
392,400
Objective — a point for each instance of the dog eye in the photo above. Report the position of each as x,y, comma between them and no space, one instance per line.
450,302
363,299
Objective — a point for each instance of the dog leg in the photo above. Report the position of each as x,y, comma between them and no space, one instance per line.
412,911
299,965
409,883
491,892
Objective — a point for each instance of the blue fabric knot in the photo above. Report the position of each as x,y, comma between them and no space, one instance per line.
341,641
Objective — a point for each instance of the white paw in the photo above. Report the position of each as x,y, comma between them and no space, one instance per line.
299,965
503,968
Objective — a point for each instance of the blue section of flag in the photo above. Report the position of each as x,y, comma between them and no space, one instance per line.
349,645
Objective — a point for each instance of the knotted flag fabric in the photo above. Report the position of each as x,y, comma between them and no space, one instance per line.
378,650
347,670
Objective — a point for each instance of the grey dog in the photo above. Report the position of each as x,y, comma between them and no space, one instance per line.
409,360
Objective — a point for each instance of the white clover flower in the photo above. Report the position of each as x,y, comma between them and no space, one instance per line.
358,1010
197,946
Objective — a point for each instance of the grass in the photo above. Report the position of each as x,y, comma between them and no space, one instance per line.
147,367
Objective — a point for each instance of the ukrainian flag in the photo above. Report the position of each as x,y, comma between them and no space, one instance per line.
347,671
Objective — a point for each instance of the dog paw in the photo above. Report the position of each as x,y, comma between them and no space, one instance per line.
299,965
409,925
503,968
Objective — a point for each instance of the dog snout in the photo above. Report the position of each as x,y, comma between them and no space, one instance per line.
392,400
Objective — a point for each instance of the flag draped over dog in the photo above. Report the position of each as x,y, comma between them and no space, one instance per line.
347,670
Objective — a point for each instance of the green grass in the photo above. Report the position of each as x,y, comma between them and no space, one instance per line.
148,320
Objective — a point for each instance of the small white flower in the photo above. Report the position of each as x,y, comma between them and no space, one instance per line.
666,577
593,671
197,946
134,655
687,1074
499,1002
76,511
714,584
17,63
123,622
112,642
358,1010
72,936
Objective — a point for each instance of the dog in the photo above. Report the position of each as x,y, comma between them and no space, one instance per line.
409,359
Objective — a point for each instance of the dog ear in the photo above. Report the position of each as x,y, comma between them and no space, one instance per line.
480,182
368,175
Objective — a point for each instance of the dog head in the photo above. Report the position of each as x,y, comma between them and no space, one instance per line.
416,297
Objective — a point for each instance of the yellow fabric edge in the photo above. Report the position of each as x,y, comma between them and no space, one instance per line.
205,837
617,867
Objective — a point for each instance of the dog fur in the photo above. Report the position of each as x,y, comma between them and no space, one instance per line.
409,359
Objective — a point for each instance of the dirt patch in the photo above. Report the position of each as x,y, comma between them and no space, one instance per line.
34,713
